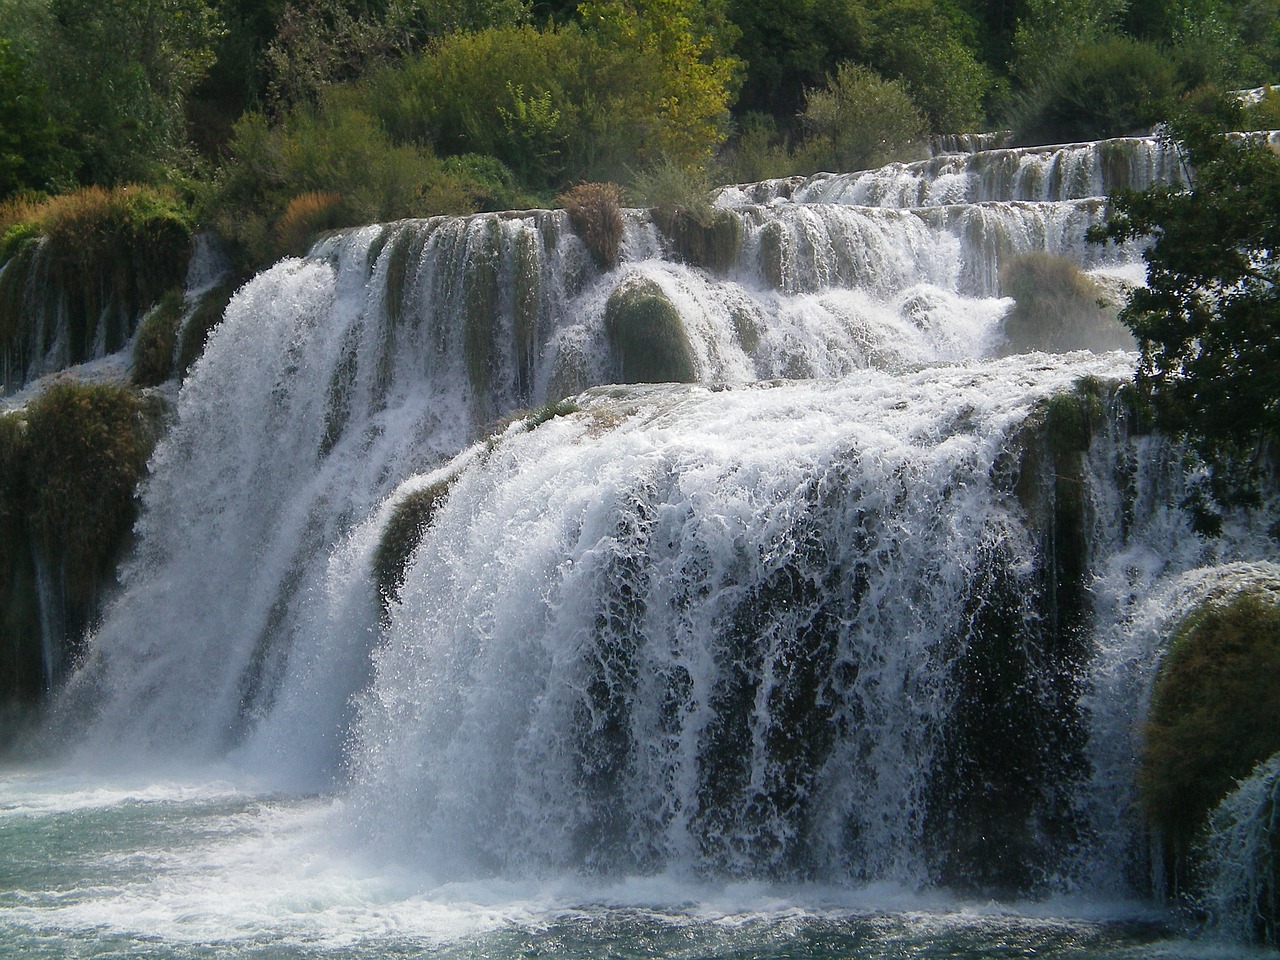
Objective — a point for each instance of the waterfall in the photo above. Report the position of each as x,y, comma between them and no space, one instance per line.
1244,858
858,603
1036,174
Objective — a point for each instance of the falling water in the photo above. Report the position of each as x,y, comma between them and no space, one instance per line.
859,609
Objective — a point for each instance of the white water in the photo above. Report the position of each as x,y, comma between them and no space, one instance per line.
1051,173
715,634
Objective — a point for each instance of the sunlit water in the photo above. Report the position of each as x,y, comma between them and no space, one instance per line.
205,868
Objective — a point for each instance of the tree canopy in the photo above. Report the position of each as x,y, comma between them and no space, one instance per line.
463,104
1208,321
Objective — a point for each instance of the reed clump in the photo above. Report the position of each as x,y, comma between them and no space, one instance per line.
595,210
305,217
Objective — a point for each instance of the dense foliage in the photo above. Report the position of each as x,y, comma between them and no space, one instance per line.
1208,321
279,119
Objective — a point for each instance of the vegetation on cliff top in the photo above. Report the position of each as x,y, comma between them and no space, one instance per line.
392,108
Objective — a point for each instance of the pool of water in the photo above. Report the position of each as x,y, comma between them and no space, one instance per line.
206,868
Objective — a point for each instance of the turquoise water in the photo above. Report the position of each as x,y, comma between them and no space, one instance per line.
204,868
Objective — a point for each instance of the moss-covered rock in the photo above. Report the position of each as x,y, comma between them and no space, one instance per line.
207,314
748,325
647,336
549,411
156,341
1215,713
70,463
772,254
409,520
87,449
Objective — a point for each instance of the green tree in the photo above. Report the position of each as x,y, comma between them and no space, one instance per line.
789,46
118,73
930,47
1050,29
1208,321
1111,87
694,86
318,43
30,154
859,120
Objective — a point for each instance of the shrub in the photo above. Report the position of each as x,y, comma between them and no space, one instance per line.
669,186
560,105
758,152
334,148
860,120
156,340
1215,711
1112,87
88,445
1057,308
647,336
595,210
680,201
490,182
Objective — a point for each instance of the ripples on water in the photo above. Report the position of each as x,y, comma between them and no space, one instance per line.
165,870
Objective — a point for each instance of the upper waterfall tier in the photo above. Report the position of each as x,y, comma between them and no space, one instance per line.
1061,172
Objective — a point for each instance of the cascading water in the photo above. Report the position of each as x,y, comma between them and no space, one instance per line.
1035,174
856,607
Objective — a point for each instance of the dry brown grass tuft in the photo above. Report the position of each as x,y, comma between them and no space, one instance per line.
306,216
595,210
